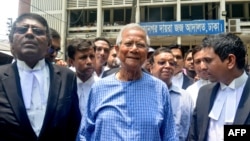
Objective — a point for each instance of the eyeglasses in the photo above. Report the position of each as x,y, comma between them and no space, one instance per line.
23,29
52,50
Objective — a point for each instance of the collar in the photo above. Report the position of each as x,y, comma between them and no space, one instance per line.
23,66
204,81
236,83
179,74
225,104
89,81
174,89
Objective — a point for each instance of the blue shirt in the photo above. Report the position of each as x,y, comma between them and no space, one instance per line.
182,106
138,110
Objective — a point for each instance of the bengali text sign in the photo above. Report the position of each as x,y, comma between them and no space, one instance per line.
202,27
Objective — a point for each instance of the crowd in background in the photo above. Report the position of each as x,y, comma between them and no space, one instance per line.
122,91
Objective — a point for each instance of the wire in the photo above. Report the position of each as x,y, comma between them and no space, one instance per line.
74,22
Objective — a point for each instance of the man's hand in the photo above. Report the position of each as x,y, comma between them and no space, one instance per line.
60,62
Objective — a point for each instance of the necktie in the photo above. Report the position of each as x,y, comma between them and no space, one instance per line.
37,111
27,84
36,97
230,106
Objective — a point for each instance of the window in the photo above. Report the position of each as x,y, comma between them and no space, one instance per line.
154,14
249,11
76,18
192,12
227,9
237,10
79,18
92,16
106,17
128,16
168,14
122,16
185,12
197,12
158,14
118,15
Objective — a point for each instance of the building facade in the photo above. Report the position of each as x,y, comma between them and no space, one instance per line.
93,18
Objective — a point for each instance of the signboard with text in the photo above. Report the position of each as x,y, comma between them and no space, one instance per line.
199,27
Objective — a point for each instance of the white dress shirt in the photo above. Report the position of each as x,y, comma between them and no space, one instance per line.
177,80
225,107
193,89
83,89
35,88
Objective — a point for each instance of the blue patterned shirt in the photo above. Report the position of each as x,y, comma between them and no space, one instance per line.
137,110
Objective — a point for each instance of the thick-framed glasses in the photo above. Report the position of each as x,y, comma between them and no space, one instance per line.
23,29
52,50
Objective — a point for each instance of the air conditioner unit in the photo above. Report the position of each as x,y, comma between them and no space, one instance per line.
234,25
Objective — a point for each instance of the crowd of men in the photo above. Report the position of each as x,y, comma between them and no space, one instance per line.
123,91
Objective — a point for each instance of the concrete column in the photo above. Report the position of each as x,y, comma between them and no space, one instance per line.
137,12
24,6
222,9
99,18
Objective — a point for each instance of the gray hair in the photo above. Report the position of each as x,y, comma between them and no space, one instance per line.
132,26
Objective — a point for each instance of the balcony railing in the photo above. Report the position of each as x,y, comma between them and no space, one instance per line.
106,3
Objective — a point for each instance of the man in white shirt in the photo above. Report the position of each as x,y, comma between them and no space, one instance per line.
180,79
227,101
102,49
201,71
81,55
